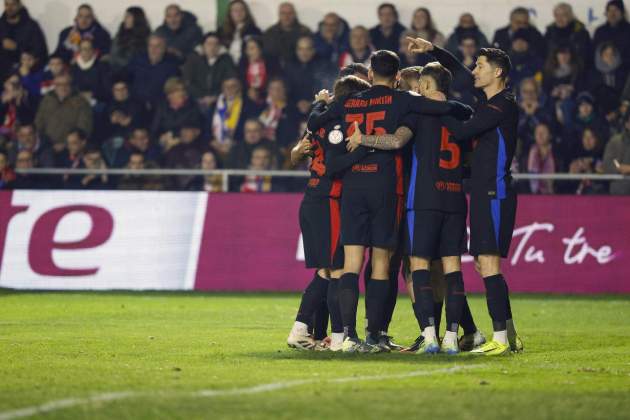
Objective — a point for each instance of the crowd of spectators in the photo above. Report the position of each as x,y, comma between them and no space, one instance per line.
174,97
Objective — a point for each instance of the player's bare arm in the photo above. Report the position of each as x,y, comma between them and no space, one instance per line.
382,142
300,151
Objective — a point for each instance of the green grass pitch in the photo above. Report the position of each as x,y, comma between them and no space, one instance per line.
214,356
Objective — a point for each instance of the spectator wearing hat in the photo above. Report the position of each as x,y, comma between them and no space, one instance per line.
525,63
519,21
617,159
615,30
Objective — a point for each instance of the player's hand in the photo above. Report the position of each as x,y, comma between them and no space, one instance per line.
419,45
354,141
304,147
322,95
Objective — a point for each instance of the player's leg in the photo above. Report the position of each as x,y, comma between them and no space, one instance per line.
376,297
423,293
312,298
336,321
438,283
392,297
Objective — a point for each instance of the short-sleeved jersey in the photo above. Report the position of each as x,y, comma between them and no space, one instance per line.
436,167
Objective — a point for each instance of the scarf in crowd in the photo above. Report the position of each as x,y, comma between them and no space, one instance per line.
256,184
539,164
270,118
226,117
10,118
607,70
257,74
85,65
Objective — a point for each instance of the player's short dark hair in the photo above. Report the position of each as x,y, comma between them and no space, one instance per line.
352,69
440,75
385,63
349,85
497,58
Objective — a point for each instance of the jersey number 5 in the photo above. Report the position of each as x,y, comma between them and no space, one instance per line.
370,118
452,148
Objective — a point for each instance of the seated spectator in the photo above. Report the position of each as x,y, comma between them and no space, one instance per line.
240,155
238,26
466,52
90,76
205,72
72,153
331,40
615,30
563,74
256,69
40,149
61,111
181,32
138,162
131,38
185,154
567,30
617,159
519,22
587,160
18,33
85,27
209,183
24,160
279,118
525,62
608,77
408,59
467,28
55,67
31,75
137,141
534,109
15,107
422,24
261,161
150,70
386,35
7,176
177,110
228,116
122,112
360,49
585,117
308,74
541,160
280,40
91,159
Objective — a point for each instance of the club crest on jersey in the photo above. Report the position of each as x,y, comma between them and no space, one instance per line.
335,136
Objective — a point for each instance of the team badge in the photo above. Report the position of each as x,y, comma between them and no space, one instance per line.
335,136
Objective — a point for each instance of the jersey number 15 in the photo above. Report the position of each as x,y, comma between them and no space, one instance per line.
452,148
370,118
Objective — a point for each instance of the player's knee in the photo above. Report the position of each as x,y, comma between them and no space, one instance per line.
419,263
323,273
451,264
489,265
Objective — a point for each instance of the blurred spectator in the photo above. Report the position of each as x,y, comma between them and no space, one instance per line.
280,39
150,70
360,49
386,35
7,176
308,74
422,24
617,159
229,114
534,110
585,117
85,27
567,30
56,66
587,160
15,106
173,113
519,22
180,30
137,141
71,155
615,30
408,59
24,160
91,159
210,183
256,69
204,72
563,74
122,112
31,75
90,76
608,77
131,38
185,154
18,33
279,118
241,153
525,63
460,88
541,160
137,162
331,40
261,160
238,26
61,111
466,28
40,149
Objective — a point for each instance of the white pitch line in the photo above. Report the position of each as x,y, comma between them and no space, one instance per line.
257,389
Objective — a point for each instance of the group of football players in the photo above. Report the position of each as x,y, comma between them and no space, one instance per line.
388,160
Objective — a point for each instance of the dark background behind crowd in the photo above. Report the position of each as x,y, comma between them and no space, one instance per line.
175,97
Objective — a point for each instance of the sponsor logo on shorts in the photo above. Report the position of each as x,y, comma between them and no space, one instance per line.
448,186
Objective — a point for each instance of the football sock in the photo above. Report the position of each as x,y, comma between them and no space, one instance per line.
312,297
392,297
467,322
333,306
437,315
348,301
376,296
454,300
320,323
418,313
424,297
500,336
496,297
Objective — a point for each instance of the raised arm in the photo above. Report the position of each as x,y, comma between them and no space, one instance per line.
323,112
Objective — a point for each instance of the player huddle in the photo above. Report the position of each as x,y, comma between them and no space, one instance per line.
387,175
